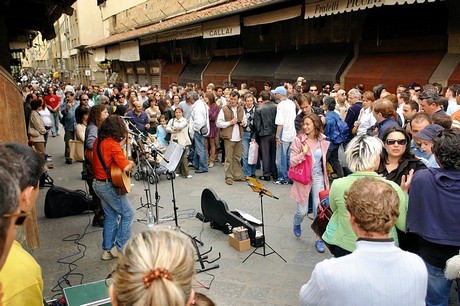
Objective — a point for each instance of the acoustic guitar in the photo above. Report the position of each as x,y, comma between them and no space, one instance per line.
120,178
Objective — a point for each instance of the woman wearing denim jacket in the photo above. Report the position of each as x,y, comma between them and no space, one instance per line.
309,142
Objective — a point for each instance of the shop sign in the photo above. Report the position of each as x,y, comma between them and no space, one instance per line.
222,32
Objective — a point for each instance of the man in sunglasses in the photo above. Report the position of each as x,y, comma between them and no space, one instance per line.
28,291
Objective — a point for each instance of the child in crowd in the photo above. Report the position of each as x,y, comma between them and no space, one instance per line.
425,139
161,132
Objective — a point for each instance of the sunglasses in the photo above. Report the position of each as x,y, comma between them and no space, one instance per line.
391,142
21,217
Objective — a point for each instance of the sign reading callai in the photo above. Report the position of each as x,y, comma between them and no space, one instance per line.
222,32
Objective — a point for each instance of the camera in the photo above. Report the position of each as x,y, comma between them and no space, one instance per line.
238,122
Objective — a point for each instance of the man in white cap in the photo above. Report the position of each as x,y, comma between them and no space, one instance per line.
285,133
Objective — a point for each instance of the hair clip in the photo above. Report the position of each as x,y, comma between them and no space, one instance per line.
152,275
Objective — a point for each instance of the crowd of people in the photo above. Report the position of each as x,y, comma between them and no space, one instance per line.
404,144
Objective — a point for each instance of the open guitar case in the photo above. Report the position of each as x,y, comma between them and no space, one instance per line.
221,218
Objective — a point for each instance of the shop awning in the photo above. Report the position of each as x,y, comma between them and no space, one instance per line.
190,32
393,69
99,54
192,73
129,51
256,67
219,70
275,16
317,8
170,73
315,66
113,52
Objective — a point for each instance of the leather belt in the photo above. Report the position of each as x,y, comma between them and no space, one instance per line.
103,180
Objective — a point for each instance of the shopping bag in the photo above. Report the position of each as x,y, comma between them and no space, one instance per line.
253,153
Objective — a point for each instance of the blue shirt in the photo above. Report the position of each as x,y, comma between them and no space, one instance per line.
161,133
69,121
139,120
385,125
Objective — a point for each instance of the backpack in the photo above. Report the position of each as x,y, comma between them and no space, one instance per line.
340,133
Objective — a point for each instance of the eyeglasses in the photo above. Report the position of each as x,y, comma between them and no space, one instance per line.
391,142
21,217
84,99
417,90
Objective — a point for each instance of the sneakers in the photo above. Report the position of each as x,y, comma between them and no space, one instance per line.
264,178
297,230
279,182
319,244
114,252
211,164
187,176
108,255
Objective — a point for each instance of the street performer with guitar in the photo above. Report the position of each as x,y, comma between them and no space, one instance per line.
111,184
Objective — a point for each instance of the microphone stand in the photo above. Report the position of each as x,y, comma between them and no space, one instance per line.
150,218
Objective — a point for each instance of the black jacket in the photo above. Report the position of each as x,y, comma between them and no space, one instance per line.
264,119
403,169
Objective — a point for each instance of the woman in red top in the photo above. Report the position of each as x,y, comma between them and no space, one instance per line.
112,136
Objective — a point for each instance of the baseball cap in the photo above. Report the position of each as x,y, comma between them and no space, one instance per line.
279,90
429,132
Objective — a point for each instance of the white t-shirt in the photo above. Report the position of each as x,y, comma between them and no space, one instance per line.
285,116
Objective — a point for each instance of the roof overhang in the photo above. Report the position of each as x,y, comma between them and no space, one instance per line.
318,8
211,13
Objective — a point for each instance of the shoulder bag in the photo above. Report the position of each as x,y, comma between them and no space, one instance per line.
301,172
324,214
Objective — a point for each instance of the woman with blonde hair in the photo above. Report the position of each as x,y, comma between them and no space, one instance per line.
156,268
363,159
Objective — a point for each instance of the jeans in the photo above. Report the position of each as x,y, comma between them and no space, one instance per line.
114,205
200,161
55,118
283,152
438,287
248,170
302,208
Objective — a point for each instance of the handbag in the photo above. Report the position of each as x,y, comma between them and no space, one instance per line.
168,135
324,214
204,130
76,150
253,153
301,172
